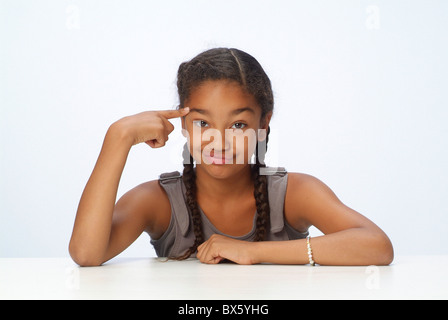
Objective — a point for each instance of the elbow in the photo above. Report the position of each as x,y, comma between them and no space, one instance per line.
388,256
83,257
384,251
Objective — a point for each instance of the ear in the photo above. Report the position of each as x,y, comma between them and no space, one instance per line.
264,125
264,122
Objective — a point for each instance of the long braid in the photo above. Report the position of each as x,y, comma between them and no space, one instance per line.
261,193
189,178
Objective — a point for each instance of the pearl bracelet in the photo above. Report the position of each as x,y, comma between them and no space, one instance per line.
310,252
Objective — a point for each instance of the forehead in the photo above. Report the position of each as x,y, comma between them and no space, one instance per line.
222,97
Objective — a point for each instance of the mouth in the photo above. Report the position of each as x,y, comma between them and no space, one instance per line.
218,158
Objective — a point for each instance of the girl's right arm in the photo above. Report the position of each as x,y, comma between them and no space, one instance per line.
98,234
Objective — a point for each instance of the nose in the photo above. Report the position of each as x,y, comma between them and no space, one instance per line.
225,141
218,140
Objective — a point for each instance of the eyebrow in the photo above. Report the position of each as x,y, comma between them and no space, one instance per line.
234,112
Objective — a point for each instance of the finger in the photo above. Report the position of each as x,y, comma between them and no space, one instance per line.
154,144
201,250
202,245
168,126
207,253
157,142
151,143
212,258
170,114
215,260
204,252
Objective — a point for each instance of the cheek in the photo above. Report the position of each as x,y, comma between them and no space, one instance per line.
244,145
202,140
246,140
193,136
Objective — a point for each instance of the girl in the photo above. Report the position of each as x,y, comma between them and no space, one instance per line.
224,207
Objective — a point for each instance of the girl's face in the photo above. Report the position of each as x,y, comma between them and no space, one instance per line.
223,126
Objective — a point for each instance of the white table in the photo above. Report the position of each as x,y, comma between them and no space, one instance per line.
411,277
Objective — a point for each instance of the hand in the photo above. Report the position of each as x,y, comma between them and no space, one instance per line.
151,127
219,248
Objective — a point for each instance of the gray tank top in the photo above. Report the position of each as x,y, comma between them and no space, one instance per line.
180,236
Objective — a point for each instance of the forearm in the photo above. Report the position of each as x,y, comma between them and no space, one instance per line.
357,246
93,221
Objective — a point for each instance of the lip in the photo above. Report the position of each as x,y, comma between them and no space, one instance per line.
218,159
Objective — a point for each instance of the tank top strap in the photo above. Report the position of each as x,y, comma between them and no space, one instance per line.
172,183
277,181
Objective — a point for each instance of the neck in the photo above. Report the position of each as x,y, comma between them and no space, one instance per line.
233,186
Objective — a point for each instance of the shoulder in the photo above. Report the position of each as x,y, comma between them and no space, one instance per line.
304,185
150,202
306,194
147,192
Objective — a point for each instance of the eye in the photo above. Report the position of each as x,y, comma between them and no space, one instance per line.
239,125
200,123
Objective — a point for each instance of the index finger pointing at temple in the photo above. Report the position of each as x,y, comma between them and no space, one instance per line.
169,114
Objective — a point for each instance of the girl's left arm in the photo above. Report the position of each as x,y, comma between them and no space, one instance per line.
349,238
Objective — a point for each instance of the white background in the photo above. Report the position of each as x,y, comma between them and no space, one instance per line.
360,87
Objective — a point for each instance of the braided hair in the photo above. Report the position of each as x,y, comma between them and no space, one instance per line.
238,66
